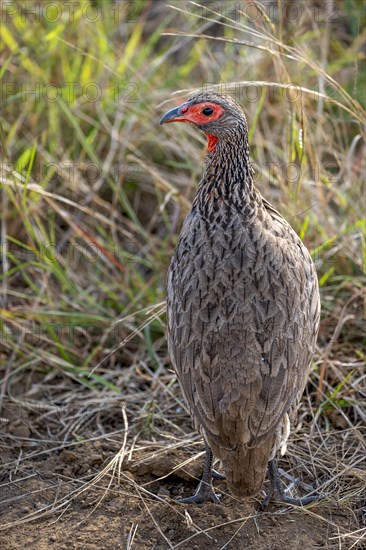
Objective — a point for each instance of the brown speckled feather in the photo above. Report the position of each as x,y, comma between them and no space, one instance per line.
243,313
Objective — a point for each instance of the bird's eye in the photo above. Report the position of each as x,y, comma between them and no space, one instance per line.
207,111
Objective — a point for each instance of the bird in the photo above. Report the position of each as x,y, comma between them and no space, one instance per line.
243,311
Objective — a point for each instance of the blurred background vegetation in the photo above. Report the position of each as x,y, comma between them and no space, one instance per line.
94,191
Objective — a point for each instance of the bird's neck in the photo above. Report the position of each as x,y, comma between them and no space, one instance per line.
227,182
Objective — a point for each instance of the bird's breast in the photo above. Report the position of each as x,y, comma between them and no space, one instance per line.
229,272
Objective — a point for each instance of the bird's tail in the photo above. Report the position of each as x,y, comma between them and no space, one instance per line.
245,468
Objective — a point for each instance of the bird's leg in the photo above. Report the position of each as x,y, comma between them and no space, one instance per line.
278,493
205,491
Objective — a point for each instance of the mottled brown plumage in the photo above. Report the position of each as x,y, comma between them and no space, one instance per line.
242,305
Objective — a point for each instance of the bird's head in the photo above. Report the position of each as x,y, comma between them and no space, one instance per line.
219,116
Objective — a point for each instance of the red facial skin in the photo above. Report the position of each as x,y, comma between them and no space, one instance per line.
192,114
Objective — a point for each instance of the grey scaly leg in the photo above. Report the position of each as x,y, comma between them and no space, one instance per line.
205,491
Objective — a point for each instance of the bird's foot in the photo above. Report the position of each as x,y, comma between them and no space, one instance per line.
204,493
282,497
278,493
217,474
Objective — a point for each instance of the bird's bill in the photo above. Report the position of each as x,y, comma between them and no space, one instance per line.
176,115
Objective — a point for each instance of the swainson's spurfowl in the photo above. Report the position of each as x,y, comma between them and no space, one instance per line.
243,310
